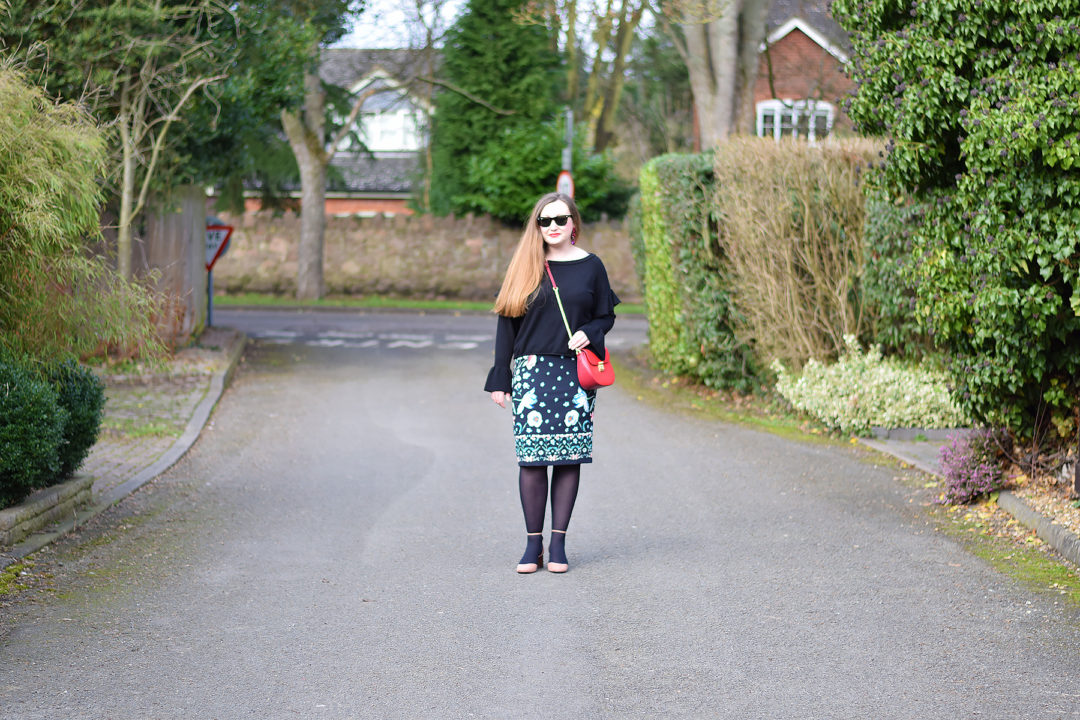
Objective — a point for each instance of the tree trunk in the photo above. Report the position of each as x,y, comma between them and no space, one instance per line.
309,273
573,74
712,52
752,22
624,37
306,137
721,59
127,187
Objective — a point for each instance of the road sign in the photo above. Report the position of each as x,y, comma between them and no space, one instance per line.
217,243
565,183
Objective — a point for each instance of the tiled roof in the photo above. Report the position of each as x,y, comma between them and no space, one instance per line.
384,173
815,13
345,67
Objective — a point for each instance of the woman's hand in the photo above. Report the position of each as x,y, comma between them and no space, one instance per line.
499,397
578,341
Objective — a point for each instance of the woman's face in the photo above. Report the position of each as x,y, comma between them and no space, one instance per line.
553,213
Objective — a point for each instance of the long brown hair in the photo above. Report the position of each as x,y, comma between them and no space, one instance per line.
526,268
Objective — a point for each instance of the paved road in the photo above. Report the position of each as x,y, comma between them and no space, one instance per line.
341,544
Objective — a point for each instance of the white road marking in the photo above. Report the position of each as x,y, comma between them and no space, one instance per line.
411,343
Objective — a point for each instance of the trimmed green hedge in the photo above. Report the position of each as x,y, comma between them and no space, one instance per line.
686,293
82,395
48,422
31,431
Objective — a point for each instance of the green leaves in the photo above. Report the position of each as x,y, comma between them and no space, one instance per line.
982,102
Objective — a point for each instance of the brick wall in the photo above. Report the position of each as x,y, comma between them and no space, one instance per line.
803,69
417,256
349,206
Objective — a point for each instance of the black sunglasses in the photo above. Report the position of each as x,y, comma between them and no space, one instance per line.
560,220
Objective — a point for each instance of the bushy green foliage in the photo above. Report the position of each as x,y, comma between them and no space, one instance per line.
31,430
888,295
509,173
685,284
981,100
55,300
865,390
509,66
82,395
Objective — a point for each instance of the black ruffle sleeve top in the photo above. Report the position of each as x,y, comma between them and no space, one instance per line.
590,306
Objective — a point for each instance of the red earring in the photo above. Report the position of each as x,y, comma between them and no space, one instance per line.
573,236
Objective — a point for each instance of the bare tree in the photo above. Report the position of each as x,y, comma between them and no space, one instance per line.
719,43
611,26
306,131
159,62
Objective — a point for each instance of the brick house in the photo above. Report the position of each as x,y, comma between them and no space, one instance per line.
392,125
801,80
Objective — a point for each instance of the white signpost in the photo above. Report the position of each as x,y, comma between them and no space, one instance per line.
217,244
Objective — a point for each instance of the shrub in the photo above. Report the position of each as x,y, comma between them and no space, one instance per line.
685,277
886,287
865,390
82,395
971,465
980,100
791,228
56,300
31,430
506,175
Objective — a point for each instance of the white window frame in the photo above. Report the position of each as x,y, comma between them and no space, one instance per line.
798,110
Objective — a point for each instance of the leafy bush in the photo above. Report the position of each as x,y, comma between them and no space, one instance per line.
980,100
888,295
792,227
55,300
685,278
866,390
971,465
31,430
82,395
506,175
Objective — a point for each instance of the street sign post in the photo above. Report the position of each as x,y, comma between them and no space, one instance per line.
217,244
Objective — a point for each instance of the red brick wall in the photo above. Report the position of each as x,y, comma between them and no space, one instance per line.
349,206
802,69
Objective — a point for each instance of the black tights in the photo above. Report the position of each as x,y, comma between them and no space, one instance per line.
533,485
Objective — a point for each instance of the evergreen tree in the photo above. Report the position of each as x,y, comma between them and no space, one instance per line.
508,66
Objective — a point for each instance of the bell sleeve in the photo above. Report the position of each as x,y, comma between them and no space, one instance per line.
499,377
603,311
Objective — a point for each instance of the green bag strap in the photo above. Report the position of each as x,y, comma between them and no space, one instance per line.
558,300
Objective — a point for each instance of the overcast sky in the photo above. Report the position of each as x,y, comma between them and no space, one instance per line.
383,24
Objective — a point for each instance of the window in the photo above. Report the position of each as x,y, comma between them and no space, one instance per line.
810,119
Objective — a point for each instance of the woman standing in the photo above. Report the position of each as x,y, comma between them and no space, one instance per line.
536,370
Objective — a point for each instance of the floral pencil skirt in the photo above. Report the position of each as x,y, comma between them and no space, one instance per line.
552,413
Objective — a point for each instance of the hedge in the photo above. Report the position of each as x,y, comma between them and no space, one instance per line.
31,431
82,395
49,420
686,289
980,100
792,232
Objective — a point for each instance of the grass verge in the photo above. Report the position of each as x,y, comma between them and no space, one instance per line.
992,534
674,393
